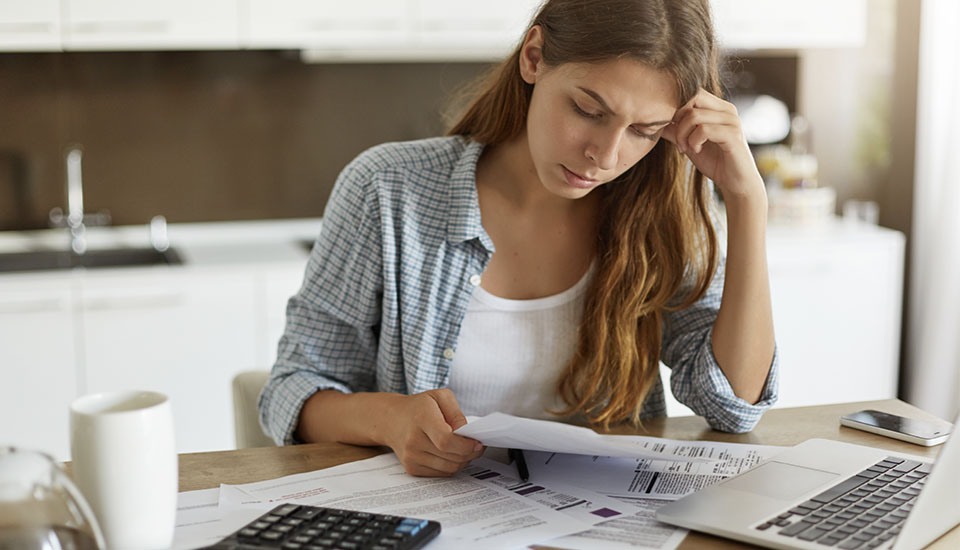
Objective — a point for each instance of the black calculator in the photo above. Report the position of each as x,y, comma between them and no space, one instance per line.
300,527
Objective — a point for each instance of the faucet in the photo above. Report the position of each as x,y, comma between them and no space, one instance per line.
75,220
78,238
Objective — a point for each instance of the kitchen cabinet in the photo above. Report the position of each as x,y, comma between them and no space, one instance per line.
182,330
494,26
150,25
278,285
781,24
180,333
378,30
38,365
837,291
837,299
30,26
330,24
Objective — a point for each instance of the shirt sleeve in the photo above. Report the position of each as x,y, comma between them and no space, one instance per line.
330,338
696,378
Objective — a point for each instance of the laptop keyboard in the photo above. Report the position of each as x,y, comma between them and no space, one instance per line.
863,511
295,527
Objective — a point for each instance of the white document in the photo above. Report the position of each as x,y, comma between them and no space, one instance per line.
646,478
641,530
513,432
648,484
579,503
473,514
199,522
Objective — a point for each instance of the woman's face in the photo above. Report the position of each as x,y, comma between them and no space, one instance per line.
588,123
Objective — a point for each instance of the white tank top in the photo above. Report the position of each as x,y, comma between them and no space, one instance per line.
511,353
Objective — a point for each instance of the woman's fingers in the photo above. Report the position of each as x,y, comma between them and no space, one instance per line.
669,133
450,445
706,100
439,427
420,455
449,407
417,469
426,443
708,130
703,109
719,134
689,120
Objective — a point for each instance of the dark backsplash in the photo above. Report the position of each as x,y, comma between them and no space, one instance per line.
202,136
206,136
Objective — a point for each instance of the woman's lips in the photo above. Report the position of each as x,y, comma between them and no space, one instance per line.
578,181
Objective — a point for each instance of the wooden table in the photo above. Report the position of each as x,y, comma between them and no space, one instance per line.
778,427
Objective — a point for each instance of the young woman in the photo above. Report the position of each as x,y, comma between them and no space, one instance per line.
545,256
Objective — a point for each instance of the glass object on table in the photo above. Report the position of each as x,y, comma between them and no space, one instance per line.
856,211
40,507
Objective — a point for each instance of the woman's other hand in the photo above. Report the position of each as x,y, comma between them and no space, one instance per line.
420,431
707,129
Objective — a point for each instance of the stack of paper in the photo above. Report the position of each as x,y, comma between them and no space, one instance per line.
572,499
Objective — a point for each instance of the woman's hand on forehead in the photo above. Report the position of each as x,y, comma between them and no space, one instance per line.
707,130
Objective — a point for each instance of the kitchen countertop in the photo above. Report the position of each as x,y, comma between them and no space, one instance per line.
200,245
263,243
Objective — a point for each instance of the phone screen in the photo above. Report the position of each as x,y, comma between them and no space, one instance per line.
909,426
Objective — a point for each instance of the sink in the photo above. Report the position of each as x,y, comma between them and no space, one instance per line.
43,260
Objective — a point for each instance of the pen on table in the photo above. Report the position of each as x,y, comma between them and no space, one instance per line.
517,456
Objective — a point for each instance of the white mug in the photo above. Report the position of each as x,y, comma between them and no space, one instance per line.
125,464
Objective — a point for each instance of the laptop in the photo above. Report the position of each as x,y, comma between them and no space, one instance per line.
826,494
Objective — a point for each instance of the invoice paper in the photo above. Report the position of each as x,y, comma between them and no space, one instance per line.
645,483
200,522
513,432
579,503
649,478
473,513
637,531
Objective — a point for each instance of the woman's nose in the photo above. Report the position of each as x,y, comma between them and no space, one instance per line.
603,149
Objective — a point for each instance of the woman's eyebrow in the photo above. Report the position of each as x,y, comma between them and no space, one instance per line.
607,108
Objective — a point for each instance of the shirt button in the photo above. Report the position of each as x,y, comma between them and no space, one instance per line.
475,280
448,353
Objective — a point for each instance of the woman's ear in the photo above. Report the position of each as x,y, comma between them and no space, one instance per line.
531,55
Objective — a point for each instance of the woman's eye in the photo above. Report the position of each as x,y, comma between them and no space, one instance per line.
652,136
581,112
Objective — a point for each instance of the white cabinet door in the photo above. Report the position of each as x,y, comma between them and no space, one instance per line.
180,333
278,286
836,311
150,24
785,24
494,25
30,26
37,365
359,24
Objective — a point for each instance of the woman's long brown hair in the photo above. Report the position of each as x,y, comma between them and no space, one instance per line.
657,249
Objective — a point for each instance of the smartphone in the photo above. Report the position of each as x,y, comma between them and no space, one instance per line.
920,432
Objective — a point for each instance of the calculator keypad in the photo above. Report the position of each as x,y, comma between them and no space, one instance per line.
299,527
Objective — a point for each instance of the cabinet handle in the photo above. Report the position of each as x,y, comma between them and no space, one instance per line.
43,305
466,25
132,302
327,25
155,27
26,28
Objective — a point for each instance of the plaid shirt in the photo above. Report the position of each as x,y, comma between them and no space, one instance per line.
389,279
